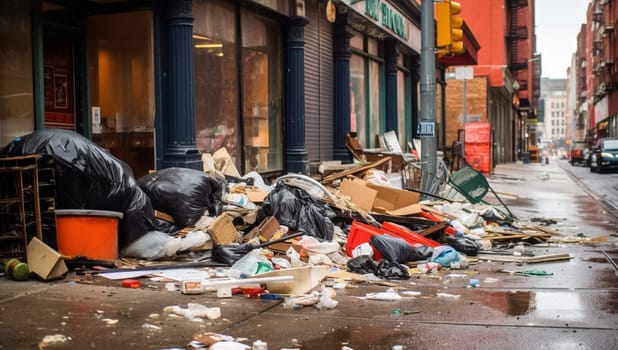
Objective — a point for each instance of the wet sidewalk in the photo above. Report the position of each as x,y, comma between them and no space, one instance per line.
574,306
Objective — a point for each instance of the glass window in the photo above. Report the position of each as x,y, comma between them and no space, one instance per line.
216,79
366,75
358,102
122,86
375,126
262,102
238,85
16,101
401,108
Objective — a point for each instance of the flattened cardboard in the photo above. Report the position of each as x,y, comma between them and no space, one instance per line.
256,196
305,279
359,193
44,261
223,231
390,198
411,209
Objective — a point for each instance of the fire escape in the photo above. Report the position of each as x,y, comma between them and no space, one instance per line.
604,70
518,48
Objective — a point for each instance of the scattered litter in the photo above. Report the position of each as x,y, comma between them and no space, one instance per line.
410,293
151,327
474,283
195,312
448,296
53,340
388,295
110,321
534,272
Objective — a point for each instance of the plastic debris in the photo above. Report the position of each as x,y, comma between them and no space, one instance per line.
388,295
195,312
53,340
448,296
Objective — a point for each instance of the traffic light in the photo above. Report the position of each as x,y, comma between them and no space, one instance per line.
449,31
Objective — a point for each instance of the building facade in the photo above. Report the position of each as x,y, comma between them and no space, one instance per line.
597,74
553,121
277,83
506,82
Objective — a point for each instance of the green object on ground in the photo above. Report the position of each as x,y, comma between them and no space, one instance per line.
534,272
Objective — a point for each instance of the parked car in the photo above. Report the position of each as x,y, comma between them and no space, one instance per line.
576,154
604,155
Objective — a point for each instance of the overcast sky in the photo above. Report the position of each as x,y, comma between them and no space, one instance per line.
557,25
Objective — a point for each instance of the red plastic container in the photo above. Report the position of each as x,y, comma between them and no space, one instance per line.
408,235
361,233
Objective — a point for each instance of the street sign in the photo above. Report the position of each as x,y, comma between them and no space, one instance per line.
426,129
464,73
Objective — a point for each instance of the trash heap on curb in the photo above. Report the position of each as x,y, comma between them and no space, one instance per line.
272,240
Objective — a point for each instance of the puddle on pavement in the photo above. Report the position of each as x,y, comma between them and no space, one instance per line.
564,305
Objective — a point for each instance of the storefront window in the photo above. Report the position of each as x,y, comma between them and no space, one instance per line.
261,102
366,100
402,115
358,102
375,126
16,101
216,79
238,85
121,86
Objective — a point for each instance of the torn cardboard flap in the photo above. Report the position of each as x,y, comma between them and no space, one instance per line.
44,261
225,163
359,193
223,231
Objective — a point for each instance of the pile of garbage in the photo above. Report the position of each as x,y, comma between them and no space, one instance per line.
358,220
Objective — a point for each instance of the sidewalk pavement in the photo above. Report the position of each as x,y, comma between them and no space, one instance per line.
572,307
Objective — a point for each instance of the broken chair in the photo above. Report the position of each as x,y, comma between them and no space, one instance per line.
473,186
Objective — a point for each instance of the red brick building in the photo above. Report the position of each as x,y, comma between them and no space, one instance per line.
506,83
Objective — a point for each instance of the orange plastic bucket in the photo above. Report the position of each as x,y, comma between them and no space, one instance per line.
88,233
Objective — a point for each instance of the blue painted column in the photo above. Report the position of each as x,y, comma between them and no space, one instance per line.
295,150
179,147
341,114
391,51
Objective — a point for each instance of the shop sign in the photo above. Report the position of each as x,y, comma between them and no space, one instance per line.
385,16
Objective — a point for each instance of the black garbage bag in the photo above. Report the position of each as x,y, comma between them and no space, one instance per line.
295,208
362,264
89,177
185,194
397,250
392,270
463,244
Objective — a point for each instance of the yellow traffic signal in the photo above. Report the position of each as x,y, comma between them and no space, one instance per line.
449,30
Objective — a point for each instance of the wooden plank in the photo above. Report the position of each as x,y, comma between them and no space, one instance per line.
525,259
356,170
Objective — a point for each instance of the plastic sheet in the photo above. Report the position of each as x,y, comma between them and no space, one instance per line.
183,193
89,177
295,208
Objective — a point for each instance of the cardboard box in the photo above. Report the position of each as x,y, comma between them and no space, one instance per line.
359,193
257,196
223,231
44,261
305,279
389,198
